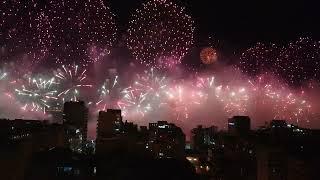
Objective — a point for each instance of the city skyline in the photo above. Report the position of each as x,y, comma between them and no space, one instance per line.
160,60
159,89
269,152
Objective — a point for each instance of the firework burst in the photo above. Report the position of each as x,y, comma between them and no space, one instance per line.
233,98
296,62
182,100
160,33
300,61
275,97
72,79
37,94
80,29
146,95
154,86
259,59
134,103
110,94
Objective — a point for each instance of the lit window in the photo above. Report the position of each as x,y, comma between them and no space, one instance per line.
67,169
207,168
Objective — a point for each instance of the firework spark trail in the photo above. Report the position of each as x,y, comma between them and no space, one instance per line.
242,99
71,79
182,100
146,94
284,103
186,97
153,85
151,93
3,75
233,98
110,94
134,103
38,94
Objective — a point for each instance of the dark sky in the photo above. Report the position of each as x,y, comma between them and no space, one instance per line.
243,22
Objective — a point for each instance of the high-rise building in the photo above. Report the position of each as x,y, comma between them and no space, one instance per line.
271,163
239,125
56,114
109,123
75,120
109,131
202,138
21,139
166,140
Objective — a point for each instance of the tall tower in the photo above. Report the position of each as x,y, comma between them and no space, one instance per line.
109,123
75,119
109,131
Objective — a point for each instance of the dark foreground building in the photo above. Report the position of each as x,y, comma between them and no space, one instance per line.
21,139
38,150
75,121
156,152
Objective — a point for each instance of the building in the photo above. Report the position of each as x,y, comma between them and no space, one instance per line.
116,141
109,123
75,121
75,114
271,163
109,133
41,134
278,124
64,164
203,138
239,125
166,140
57,114
20,139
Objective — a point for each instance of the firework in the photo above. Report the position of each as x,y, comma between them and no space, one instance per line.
182,100
134,103
26,35
266,92
78,27
300,61
153,84
259,59
110,94
208,55
37,94
296,62
146,94
71,78
235,100
160,33
275,97
205,86
3,75
58,29
232,97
